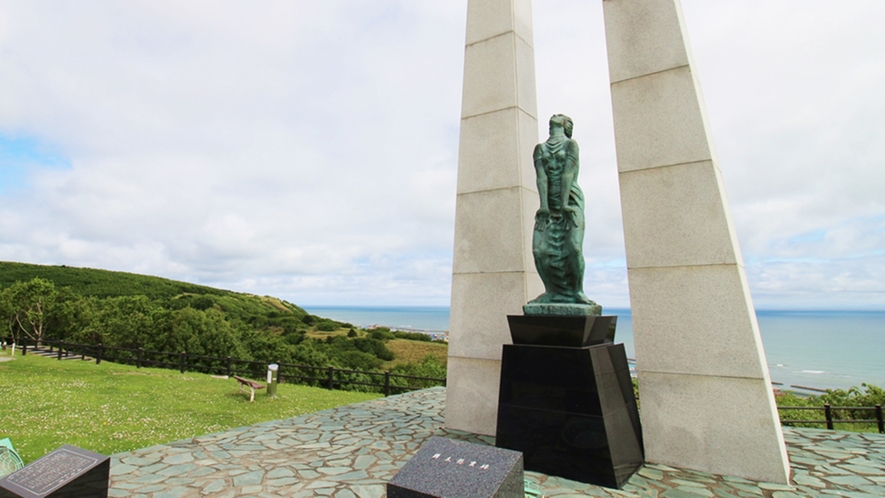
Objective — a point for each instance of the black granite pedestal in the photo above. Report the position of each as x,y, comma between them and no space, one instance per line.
570,409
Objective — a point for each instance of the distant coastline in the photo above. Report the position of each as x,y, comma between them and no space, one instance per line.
834,349
419,318
415,318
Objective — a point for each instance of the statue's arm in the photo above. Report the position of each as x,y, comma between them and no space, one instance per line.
570,172
541,174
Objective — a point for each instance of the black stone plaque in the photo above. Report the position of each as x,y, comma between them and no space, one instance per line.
571,411
444,468
568,331
68,472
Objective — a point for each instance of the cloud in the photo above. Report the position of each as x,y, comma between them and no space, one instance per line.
791,90
309,149
219,143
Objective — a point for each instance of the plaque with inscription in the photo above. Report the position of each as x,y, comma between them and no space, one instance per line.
67,472
444,468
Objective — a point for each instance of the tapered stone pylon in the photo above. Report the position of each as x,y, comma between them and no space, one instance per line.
705,391
493,270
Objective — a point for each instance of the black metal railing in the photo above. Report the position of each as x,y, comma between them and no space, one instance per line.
328,377
331,378
837,415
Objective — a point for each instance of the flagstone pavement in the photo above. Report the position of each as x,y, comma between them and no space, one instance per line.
352,451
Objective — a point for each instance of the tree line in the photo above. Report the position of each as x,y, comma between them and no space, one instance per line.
217,323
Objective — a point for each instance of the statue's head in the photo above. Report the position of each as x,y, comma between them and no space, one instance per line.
564,121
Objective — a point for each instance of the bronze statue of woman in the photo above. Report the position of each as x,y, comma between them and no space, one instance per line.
559,223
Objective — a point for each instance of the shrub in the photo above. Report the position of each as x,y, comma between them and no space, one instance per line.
412,336
430,366
381,334
327,326
374,347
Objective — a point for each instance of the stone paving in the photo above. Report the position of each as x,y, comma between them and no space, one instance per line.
352,451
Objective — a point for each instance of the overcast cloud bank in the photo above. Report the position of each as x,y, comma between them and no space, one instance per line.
308,150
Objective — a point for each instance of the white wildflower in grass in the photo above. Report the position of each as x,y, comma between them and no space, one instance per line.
109,408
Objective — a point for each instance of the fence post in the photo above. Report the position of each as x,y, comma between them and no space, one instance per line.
828,411
279,372
182,361
24,348
229,371
140,355
387,383
879,419
100,352
60,345
330,382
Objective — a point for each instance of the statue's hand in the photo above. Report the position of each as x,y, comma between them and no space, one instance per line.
541,219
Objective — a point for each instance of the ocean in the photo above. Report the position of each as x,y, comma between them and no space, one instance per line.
821,349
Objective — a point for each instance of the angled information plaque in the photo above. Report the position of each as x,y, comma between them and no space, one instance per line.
68,472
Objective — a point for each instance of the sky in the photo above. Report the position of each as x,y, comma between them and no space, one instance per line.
308,150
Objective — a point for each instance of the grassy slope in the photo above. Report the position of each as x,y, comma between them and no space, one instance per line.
105,283
101,283
110,408
407,351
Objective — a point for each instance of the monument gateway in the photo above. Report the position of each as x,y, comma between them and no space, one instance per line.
706,396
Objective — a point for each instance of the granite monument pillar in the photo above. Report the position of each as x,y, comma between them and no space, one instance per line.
705,392
493,272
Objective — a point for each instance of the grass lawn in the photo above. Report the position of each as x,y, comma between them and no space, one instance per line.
109,408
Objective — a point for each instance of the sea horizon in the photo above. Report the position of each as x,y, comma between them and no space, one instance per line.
823,349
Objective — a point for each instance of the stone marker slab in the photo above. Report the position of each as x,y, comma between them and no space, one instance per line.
68,472
443,468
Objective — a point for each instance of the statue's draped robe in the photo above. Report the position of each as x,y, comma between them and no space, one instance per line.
558,238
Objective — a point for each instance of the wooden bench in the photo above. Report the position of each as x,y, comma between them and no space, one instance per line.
251,384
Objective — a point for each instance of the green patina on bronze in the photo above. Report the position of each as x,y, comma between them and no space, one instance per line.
559,226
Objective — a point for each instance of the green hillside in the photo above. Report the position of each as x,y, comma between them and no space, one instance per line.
101,283
125,310
171,294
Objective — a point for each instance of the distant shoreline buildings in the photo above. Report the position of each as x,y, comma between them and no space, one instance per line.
436,335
